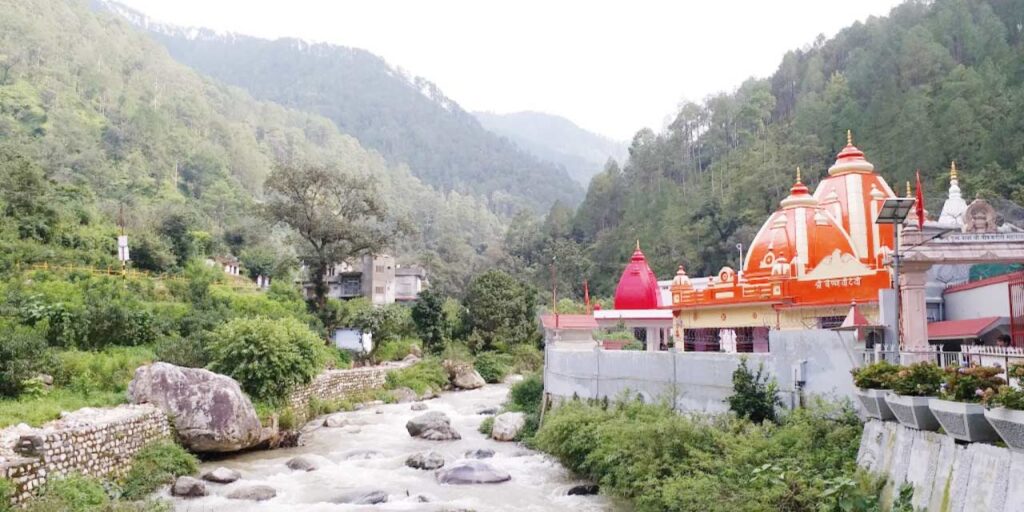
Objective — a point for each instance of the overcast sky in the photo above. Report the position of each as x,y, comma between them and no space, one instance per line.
611,67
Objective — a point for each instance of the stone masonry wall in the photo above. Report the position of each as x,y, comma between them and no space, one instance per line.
946,476
339,384
94,442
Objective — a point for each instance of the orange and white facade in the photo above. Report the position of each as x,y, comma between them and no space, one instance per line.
810,260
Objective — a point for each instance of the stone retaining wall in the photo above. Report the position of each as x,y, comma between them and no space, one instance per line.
946,476
340,384
92,442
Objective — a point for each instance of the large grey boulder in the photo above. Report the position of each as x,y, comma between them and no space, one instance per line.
425,460
472,472
507,426
221,475
468,379
365,497
433,426
404,395
210,412
301,463
253,493
188,487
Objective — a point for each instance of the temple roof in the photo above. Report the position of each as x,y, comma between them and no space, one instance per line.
638,287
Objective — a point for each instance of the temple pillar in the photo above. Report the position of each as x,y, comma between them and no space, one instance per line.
913,307
652,339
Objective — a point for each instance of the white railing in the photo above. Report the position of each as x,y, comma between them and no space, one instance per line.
969,355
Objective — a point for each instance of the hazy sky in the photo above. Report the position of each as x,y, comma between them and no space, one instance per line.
611,67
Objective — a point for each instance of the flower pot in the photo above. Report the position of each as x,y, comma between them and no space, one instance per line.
614,344
963,421
874,404
913,411
1009,423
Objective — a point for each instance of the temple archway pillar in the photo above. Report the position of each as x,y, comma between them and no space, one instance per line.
913,306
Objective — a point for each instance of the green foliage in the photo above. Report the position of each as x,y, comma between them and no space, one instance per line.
429,316
526,396
1005,396
875,375
72,493
395,349
971,383
157,464
486,426
492,366
190,351
754,395
23,354
666,462
267,357
39,409
25,197
107,371
526,358
424,375
501,312
634,345
7,490
918,379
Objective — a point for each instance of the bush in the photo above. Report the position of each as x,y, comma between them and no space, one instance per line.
526,396
426,374
874,376
754,396
1005,396
72,493
918,379
970,384
23,354
267,357
526,358
486,426
188,351
492,366
107,371
395,349
155,465
7,491
338,359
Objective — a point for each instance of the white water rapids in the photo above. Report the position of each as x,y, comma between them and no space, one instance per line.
539,483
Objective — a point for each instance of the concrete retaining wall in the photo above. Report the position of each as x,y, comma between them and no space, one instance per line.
947,477
701,381
97,443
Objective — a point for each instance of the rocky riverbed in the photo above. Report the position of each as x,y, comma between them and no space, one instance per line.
358,464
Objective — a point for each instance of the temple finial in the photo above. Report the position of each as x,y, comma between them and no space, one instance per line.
798,175
952,171
849,138
908,189
638,244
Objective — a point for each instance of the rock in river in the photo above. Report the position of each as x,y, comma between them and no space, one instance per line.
472,472
372,497
301,463
584,490
480,453
221,475
188,487
433,426
418,406
209,411
404,395
507,426
425,460
253,493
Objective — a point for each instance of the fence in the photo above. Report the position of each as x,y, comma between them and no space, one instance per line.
969,355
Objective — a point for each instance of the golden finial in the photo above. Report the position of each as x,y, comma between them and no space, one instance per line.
638,244
798,175
849,138
952,170
908,189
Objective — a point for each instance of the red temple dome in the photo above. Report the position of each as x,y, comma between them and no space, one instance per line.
638,287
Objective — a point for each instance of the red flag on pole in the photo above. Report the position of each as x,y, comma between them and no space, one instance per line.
586,296
919,202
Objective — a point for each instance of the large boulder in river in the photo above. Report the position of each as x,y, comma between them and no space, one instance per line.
253,493
507,426
463,375
188,487
221,475
365,497
301,463
425,460
210,412
404,395
472,472
434,426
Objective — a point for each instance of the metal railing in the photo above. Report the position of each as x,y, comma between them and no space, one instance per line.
969,355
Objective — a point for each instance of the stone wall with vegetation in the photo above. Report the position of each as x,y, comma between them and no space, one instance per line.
946,476
92,442
341,384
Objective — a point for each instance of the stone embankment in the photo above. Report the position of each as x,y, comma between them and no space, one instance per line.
946,476
94,442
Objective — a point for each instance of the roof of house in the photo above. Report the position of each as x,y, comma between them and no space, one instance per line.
981,282
569,322
960,329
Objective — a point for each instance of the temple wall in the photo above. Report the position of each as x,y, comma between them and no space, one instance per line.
946,476
701,381
766,316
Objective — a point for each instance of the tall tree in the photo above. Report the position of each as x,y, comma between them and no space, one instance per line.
338,216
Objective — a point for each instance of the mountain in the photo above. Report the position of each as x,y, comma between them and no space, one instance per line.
556,139
407,119
932,82
115,122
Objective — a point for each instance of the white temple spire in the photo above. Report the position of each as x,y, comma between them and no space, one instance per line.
955,206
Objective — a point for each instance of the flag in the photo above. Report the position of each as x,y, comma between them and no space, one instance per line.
919,202
586,296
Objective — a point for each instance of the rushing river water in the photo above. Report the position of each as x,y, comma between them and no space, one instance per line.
347,463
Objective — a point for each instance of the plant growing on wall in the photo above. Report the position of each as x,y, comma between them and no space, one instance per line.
918,379
755,396
874,376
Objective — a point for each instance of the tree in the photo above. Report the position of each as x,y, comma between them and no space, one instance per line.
501,312
26,197
428,315
338,216
755,396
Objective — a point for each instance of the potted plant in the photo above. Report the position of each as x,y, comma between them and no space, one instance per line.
959,408
912,388
616,339
873,383
1006,413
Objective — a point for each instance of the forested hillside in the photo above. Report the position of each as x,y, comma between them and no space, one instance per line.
407,119
113,121
932,82
556,139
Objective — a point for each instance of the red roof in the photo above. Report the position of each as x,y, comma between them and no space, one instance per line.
638,287
854,320
960,329
981,282
569,322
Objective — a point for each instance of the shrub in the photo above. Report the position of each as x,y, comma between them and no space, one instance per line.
188,351
395,349
107,371
23,354
492,366
486,426
267,357
754,395
338,359
7,491
526,395
157,464
429,316
633,345
874,376
72,493
1005,396
918,379
426,374
969,384
526,358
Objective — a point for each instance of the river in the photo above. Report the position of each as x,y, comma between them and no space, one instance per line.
538,483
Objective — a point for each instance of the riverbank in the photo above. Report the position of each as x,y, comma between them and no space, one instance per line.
368,453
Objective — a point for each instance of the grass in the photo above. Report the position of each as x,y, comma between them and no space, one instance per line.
426,374
155,465
486,426
38,410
